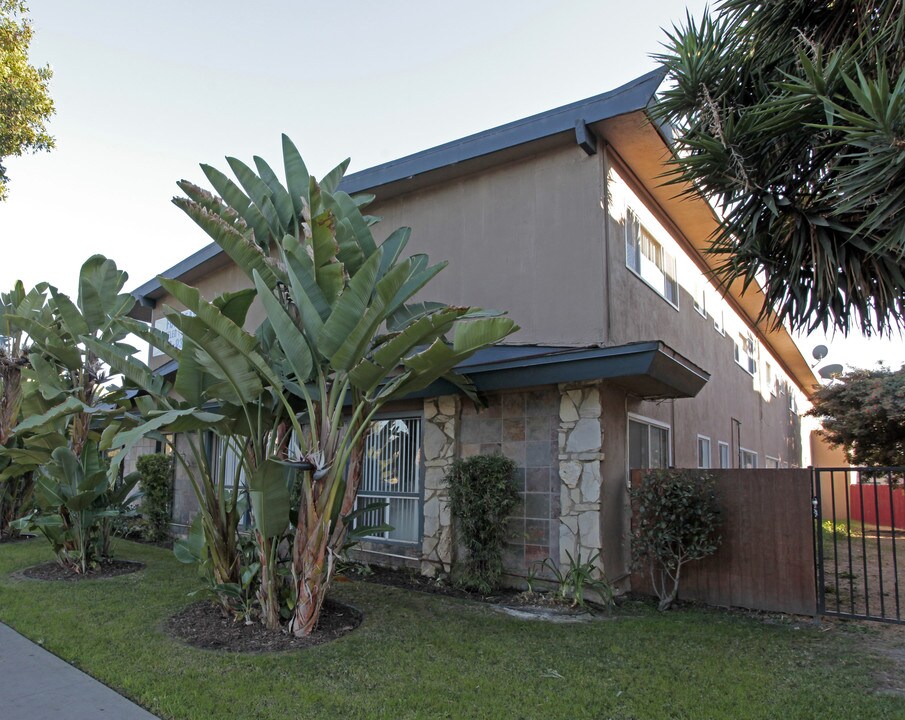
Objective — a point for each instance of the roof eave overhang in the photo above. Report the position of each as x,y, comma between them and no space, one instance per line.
642,149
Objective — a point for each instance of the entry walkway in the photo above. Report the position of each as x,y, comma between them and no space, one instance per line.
36,684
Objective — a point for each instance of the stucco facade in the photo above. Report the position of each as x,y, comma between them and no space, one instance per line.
541,232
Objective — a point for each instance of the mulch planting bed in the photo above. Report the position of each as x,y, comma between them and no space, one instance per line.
203,625
55,571
15,538
510,597
409,580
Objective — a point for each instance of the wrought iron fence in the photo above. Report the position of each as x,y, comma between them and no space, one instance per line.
859,542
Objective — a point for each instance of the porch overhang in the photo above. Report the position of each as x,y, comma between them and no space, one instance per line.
648,370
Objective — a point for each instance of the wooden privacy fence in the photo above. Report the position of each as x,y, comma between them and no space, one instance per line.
766,558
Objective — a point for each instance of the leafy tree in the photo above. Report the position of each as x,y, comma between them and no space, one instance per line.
790,116
25,104
864,412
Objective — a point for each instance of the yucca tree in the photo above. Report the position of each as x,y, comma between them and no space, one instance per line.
790,116
343,337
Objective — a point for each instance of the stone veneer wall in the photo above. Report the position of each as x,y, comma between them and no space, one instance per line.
522,426
580,454
438,449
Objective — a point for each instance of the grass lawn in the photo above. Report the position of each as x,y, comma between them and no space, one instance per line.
424,656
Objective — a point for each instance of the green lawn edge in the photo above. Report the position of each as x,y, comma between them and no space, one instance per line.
424,656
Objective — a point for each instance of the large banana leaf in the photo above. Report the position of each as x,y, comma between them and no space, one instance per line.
48,419
268,492
99,298
439,359
122,362
293,342
126,439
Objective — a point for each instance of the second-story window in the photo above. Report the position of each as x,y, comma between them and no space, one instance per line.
173,332
746,352
648,259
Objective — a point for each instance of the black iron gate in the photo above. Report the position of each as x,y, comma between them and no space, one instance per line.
859,542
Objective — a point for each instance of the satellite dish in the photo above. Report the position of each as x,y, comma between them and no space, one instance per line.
820,352
829,372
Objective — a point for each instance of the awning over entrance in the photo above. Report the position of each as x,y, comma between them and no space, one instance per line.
646,369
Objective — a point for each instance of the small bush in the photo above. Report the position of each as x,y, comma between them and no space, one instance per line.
482,493
157,484
676,521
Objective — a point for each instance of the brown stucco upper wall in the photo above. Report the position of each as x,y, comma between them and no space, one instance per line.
526,238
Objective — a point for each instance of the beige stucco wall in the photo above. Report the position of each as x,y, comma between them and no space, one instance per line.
532,237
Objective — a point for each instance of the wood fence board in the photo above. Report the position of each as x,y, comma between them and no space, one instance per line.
766,558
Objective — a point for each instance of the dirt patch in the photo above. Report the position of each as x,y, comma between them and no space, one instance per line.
53,571
203,625
861,572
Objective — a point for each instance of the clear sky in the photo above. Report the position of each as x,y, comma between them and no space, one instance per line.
145,91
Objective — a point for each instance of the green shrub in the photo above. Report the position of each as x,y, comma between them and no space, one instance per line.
157,484
676,520
482,493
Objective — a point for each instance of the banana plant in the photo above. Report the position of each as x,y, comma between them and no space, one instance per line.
165,408
69,404
16,473
73,499
343,336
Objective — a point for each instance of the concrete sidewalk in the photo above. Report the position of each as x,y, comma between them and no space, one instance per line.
36,684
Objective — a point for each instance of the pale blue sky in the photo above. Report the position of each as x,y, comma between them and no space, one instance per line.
146,91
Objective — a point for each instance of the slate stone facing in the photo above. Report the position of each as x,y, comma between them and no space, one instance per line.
522,426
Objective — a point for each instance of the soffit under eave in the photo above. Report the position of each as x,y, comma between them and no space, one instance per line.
641,147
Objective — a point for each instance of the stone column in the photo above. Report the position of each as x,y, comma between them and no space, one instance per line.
580,455
441,420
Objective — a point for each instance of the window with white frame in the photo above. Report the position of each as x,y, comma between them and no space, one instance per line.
770,378
703,452
719,321
648,444
724,455
700,297
771,462
746,352
648,259
173,333
391,477
747,459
